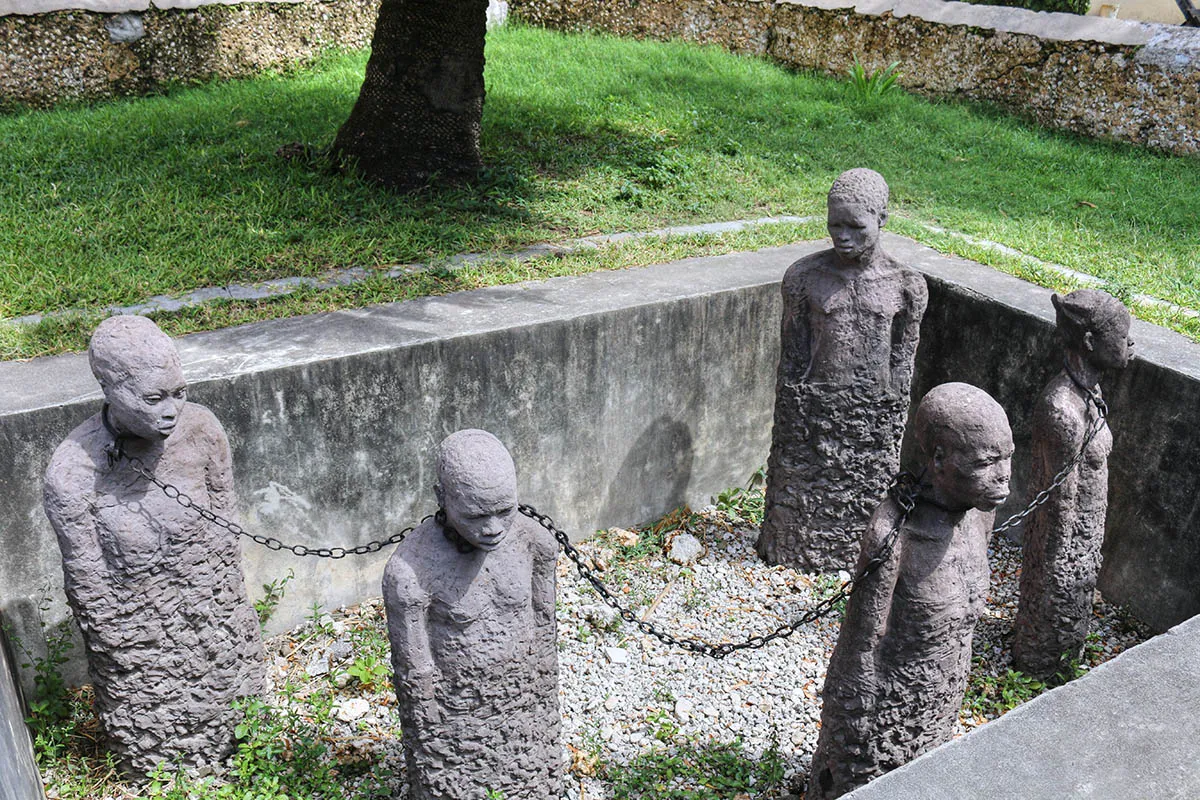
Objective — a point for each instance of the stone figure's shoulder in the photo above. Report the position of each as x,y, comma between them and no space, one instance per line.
912,282
199,422
1060,408
881,523
542,545
800,273
409,564
73,466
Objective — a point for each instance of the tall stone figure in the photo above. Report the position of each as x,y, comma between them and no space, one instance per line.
172,640
851,322
899,670
470,609
1061,558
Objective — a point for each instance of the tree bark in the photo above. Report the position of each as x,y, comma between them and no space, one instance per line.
419,110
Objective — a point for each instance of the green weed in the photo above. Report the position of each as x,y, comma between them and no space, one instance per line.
688,770
875,83
272,596
989,695
745,505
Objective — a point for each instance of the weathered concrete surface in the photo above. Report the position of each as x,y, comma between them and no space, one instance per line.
1102,77
17,763
633,391
638,389
1127,729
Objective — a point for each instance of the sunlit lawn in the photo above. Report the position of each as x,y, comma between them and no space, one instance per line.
125,200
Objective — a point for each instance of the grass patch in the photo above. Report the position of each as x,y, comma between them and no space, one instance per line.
689,770
582,134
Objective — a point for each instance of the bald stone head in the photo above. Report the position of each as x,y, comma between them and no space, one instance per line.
1095,325
476,487
857,213
967,443
141,376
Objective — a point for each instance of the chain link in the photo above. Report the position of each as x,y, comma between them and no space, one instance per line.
1041,497
269,542
903,491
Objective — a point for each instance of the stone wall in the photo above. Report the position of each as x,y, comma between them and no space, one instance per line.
621,395
1136,82
86,55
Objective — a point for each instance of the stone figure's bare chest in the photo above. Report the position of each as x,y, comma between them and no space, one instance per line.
499,591
137,525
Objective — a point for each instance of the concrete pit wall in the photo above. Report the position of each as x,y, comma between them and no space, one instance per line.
1130,81
621,394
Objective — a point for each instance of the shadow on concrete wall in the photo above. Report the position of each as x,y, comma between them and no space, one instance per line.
654,475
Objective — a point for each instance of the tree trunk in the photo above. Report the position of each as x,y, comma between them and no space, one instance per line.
418,112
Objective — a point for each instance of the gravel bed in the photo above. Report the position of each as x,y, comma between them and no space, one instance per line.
624,694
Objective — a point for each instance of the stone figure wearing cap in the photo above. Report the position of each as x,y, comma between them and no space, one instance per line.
1061,547
172,640
851,322
899,670
470,608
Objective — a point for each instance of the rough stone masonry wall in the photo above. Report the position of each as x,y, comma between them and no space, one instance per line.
1136,82
71,55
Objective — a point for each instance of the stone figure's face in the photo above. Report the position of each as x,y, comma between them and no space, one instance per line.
854,229
975,475
148,404
1112,345
481,515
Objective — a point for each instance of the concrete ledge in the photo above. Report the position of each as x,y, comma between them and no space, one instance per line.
1128,729
622,395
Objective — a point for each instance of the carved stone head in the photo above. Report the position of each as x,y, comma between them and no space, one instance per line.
857,212
476,487
140,374
1096,326
968,446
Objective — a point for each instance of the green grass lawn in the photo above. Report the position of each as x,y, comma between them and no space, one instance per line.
125,200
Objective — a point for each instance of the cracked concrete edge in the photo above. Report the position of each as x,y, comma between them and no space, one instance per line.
352,275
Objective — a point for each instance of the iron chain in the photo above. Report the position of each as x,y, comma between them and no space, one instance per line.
269,542
1041,497
904,492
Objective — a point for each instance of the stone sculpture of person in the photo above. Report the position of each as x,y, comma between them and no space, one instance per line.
1062,540
899,670
851,322
470,608
171,638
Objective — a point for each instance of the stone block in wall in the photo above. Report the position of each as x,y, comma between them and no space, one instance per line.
1099,77
72,55
1109,78
740,26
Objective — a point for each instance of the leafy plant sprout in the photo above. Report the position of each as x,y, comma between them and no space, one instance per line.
874,83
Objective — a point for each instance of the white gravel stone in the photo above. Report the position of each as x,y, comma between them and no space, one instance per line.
352,709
